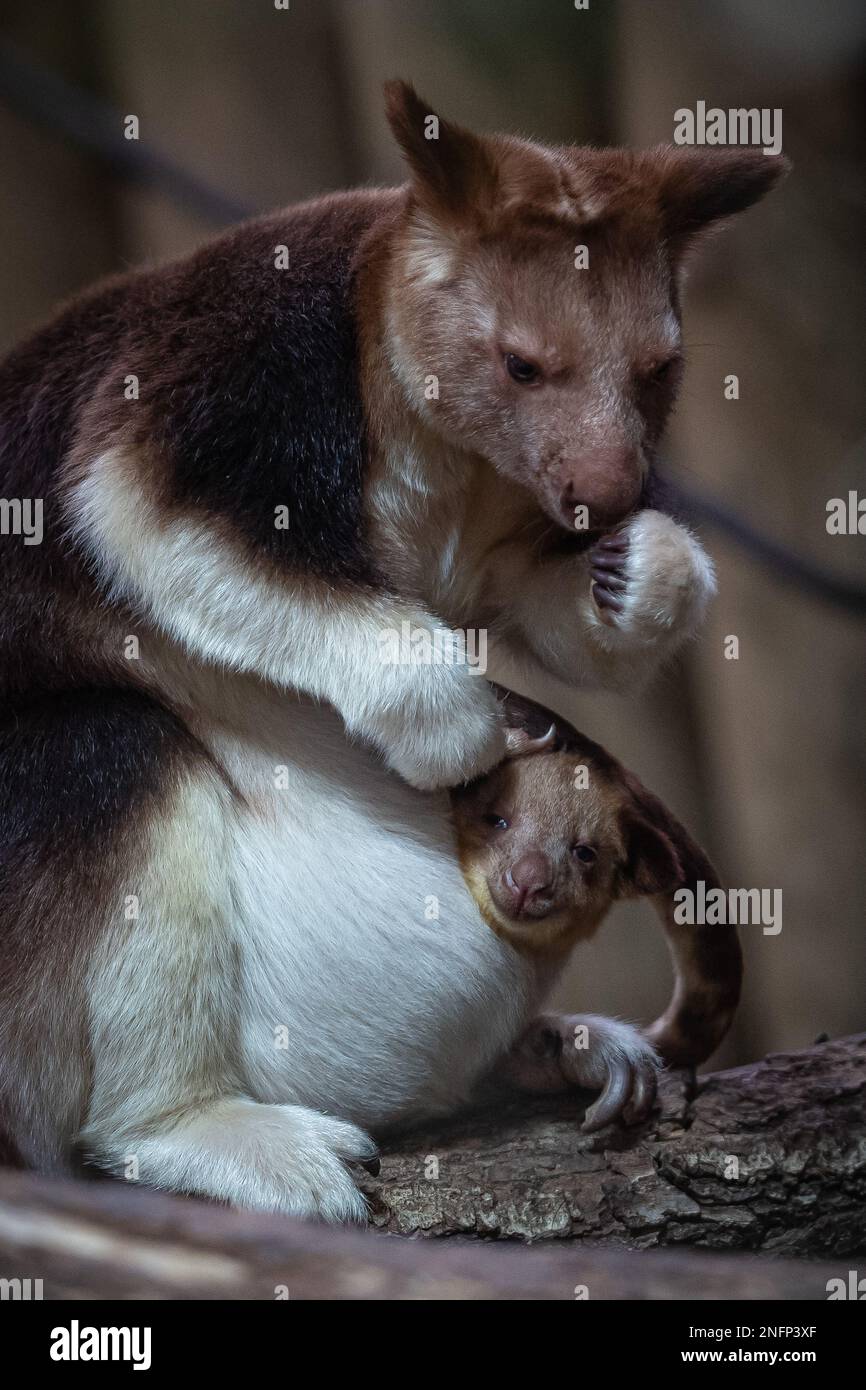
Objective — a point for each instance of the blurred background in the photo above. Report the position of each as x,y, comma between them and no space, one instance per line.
245,105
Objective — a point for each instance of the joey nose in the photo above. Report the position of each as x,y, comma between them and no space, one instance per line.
529,876
607,482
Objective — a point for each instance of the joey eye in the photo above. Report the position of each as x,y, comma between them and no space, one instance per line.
498,822
520,370
585,853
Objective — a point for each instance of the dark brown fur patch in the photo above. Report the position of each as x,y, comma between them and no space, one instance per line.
249,383
82,774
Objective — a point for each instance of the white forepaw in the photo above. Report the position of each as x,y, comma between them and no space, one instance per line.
445,730
651,582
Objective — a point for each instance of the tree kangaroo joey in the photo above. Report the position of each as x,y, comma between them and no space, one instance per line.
548,841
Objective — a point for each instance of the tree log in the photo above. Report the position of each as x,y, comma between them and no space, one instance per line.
795,1123
768,1157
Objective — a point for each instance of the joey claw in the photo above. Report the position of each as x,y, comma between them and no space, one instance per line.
612,1100
518,743
372,1165
592,1052
629,1096
643,1095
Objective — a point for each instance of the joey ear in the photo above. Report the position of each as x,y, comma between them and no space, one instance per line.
453,170
528,723
653,865
520,744
699,186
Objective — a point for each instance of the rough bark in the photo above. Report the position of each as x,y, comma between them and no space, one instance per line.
796,1123
768,1157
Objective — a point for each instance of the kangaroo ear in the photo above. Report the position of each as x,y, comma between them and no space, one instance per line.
453,169
653,865
699,186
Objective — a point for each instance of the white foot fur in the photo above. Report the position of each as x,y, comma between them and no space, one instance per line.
275,1157
443,729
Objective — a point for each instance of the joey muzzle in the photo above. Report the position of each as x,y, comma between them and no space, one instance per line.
525,888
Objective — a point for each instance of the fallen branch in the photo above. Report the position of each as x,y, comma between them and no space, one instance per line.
768,1157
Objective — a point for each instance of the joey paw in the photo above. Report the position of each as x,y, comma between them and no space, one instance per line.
604,1054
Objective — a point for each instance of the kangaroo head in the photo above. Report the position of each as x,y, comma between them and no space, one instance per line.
535,315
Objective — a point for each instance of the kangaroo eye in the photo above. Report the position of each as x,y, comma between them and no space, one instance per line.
585,853
520,370
498,822
662,372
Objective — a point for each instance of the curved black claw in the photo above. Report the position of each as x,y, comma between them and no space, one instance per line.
606,598
643,1094
607,566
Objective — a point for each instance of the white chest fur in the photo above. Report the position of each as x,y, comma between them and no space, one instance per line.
369,986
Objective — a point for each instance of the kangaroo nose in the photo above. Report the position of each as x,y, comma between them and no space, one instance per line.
529,876
606,482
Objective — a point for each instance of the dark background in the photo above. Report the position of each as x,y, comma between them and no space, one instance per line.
764,756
